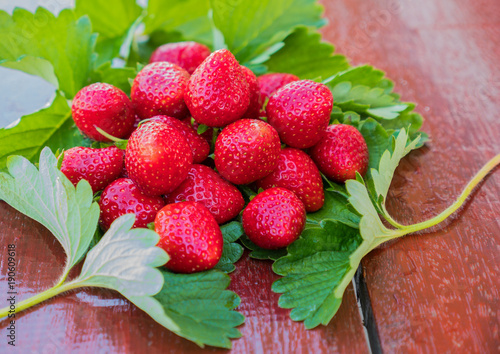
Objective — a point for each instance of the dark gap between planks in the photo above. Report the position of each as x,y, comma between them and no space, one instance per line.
367,311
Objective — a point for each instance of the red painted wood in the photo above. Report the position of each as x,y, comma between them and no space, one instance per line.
100,320
437,292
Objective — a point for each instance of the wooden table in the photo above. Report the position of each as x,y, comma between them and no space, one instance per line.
437,292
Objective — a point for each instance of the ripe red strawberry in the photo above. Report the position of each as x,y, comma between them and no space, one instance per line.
123,197
157,157
104,106
190,235
218,93
99,167
341,152
205,186
187,55
297,172
246,151
199,146
253,86
158,89
270,83
274,218
300,112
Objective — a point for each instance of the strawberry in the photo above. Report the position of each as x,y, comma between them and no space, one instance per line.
341,153
158,89
253,86
187,55
99,167
297,172
190,235
300,112
246,151
123,197
274,218
205,186
270,83
103,106
157,157
218,93
199,146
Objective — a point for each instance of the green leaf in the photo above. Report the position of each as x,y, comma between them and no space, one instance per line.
125,260
52,127
232,251
412,122
334,209
377,139
118,77
35,42
370,225
113,20
47,196
251,28
262,253
202,128
363,99
365,75
196,307
34,66
187,17
383,176
315,272
305,55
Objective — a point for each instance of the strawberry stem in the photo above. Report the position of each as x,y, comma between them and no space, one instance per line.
404,230
32,301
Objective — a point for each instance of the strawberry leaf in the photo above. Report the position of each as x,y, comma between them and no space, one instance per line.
363,99
247,38
58,49
365,75
188,17
377,139
412,122
314,272
47,196
125,260
119,77
231,251
305,55
52,127
335,209
113,20
196,307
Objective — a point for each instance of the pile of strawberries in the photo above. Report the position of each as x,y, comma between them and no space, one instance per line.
165,173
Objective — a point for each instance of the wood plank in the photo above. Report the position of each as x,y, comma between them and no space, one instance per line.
100,320
437,292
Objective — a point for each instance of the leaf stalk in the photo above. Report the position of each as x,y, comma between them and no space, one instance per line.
38,298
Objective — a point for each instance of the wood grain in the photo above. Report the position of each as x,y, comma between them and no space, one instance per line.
437,292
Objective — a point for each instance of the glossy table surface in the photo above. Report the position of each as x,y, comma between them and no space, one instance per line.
431,293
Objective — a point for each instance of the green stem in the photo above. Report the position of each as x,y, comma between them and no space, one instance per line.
390,220
452,208
62,279
32,301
